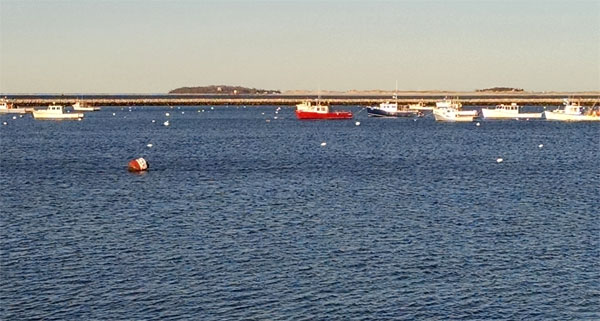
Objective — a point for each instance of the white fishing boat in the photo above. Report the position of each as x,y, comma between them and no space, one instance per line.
511,111
420,106
456,106
55,112
451,114
573,112
8,108
447,103
79,106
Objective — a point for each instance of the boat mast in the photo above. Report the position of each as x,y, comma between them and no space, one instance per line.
396,93
319,95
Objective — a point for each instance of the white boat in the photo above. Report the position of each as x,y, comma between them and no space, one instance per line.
447,103
572,112
420,106
511,111
451,114
78,106
457,106
8,108
55,112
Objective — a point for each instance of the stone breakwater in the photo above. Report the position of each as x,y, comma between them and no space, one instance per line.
167,100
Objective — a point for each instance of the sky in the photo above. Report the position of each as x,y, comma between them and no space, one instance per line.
122,46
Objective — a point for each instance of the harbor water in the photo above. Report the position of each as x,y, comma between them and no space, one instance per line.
240,218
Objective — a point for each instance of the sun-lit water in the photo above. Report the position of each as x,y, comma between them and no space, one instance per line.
240,218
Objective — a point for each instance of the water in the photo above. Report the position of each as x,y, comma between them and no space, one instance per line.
239,218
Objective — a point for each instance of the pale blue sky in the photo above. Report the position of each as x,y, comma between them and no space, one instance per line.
82,46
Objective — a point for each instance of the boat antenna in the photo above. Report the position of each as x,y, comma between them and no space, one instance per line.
319,94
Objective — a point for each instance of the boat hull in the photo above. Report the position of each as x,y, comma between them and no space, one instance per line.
51,116
13,111
419,107
329,115
376,112
473,113
497,114
450,116
558,116
86,108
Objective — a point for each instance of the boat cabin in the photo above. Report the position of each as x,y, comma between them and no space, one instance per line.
308,106
448,103
388,107
55,109
513,107
573,109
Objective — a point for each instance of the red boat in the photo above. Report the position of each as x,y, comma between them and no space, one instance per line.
308,110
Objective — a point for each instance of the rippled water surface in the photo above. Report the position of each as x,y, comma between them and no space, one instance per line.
240,218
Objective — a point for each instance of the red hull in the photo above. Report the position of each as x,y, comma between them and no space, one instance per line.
329,115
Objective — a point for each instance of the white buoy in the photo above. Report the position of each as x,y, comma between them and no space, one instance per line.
357,123
478,124
4,123
268,120
14,117
78,119
323,144
275,117
154,121
262,113
149,145
166,123
167,114
540,145
114,114
183,112
212,108
499,160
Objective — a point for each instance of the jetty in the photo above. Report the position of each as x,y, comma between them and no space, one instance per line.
470,98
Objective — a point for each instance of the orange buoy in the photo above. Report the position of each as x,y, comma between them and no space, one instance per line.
137,165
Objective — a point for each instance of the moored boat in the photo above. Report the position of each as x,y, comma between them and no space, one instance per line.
456,107
55,112
388,109
310,110
8,108
420,106
511,111
450,112
573,112
450,115
79,106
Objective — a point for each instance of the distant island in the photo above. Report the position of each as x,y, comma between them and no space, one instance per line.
222,89
499,89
